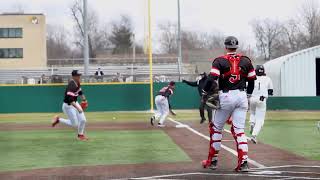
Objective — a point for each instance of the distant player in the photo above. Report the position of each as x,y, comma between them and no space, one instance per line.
200,84
258,102
72,108
232,71
163,104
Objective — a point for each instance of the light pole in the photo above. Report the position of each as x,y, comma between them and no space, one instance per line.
133,52
179,43
85,38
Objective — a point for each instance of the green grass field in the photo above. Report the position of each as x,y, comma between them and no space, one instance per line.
300,136
40,149
292,131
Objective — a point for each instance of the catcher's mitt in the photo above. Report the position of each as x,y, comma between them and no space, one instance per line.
84,105
213,101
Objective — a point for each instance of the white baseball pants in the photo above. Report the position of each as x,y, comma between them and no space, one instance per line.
162,106
257,114
233,104
75,119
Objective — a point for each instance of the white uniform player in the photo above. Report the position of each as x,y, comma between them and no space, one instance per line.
72,108
258,102
163,104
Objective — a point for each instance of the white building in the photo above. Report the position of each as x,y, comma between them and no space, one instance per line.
296,74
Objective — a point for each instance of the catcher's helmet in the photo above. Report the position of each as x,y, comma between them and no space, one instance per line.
231,42
260,70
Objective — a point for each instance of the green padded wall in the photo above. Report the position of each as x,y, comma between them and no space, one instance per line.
121,97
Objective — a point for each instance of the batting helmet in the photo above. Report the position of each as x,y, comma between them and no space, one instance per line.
172,83
260,70
231,42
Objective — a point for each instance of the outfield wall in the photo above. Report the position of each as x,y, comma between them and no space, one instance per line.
120,97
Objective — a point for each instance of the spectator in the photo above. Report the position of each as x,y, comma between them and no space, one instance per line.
43,79
99,75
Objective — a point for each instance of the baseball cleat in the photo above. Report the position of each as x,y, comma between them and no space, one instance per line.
205,163
152,119
254,139
244,167
82,137
213,165
161,125
55,121
202,120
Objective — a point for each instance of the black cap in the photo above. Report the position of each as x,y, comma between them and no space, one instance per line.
172,83
203,74
231,42
260,70
75,73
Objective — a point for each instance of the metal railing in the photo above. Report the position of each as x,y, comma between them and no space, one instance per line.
109,78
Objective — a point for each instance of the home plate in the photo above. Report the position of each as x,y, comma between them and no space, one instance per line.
181,126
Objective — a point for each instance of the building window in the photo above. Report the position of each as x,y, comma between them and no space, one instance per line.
10,32
6,53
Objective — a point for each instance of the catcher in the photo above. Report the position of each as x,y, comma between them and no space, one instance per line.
236,76
72,108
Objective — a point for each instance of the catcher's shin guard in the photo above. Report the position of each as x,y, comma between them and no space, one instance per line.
215,137
242,145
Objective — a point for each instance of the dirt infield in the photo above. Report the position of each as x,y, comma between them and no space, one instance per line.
277,164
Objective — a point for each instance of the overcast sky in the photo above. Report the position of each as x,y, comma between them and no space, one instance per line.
230,17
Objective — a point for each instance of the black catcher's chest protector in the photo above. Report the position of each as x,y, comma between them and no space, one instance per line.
234,72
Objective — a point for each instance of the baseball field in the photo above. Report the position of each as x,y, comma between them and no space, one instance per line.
125,145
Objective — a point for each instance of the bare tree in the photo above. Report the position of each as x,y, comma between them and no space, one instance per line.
211,41
168,37
57,43
310,21
294,38
267,32
98,37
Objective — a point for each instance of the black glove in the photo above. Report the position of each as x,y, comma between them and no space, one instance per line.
262,98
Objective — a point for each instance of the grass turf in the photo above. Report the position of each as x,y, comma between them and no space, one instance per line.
294,131
300,136
183,115
41,149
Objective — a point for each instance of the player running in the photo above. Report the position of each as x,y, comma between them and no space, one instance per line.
200,84
258,102
163,104
72,108
232,71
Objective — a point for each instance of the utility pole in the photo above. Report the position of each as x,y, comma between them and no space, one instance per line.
85,38
133,52
179,43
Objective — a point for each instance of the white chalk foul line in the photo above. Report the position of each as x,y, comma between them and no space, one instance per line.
222,146
285,166
221,174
